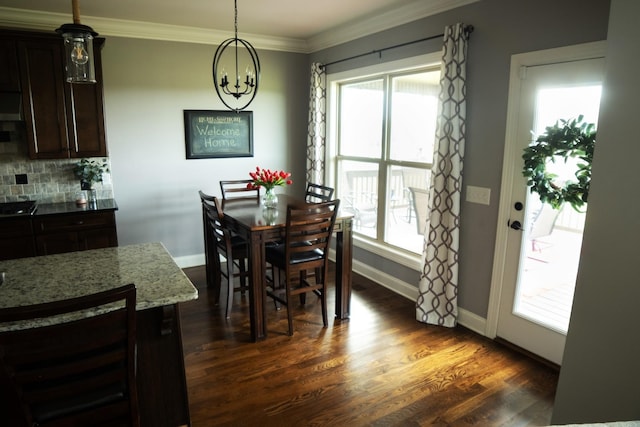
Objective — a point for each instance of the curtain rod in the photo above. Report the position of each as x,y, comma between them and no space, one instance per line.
468,29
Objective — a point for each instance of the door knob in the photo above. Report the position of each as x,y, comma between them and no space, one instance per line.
516,225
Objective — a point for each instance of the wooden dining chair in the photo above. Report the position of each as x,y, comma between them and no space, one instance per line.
239,189
420,200
211,257
78,373
542,225
303,255
317,193
219,241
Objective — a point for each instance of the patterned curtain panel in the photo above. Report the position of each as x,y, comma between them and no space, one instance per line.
438,287
317,123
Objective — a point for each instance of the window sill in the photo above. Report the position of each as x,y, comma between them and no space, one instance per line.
406,259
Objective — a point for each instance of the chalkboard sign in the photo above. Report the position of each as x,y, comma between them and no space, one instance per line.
211,133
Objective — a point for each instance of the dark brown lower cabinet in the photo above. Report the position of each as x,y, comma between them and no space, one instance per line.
75,232
16,238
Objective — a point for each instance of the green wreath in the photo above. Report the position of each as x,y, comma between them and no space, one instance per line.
567,138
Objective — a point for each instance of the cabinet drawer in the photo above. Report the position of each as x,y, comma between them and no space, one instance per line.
75,222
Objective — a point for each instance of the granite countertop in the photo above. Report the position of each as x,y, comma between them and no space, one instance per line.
158,279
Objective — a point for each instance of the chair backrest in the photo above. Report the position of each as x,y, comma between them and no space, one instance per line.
217,236
81,372
308,233
420,200
210,245
205,200
239,189
317,193
544,221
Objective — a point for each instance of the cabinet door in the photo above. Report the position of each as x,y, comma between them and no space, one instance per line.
57,243
71,241
9,77
16,238
97,239
43,98
85,115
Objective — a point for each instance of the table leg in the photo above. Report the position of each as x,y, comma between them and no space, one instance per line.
344,249
257,295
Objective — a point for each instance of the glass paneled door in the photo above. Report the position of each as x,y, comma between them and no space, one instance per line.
541,248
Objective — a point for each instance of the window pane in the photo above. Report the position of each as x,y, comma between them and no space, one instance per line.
414,104
403,229
358,194
361,119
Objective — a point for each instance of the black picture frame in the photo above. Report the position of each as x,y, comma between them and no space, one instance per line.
214,134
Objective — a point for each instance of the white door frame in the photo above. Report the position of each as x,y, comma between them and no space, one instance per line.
541,57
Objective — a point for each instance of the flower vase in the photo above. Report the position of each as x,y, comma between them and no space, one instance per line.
270,200
269,216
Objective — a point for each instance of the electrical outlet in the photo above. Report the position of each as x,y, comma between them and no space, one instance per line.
479,195
21,178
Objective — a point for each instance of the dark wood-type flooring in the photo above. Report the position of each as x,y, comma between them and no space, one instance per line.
380,368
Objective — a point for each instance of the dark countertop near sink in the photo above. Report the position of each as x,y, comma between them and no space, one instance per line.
71,207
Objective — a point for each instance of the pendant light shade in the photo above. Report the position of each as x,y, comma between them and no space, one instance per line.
235,90
78,47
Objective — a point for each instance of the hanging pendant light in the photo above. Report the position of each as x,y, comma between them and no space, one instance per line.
238,93
78,47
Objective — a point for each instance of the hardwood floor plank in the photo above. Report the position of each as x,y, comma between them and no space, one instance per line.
381,368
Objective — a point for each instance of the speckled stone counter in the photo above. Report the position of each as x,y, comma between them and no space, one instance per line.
161,285
159,281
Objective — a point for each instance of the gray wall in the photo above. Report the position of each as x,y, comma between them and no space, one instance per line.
600,376
148,84
502,28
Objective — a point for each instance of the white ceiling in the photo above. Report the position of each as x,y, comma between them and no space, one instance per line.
292,25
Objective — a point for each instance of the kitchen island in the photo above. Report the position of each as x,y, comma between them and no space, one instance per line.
161,286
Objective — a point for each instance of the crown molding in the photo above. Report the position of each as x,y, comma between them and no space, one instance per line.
383,21
47,21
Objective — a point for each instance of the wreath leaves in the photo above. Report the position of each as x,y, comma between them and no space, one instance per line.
567,138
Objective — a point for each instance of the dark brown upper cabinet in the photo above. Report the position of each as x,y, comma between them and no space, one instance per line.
9,76
63,120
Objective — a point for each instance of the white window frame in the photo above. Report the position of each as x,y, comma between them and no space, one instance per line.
333,80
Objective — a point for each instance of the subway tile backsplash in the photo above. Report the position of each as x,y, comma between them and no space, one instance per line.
48,181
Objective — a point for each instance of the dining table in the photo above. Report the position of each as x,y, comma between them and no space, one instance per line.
259,226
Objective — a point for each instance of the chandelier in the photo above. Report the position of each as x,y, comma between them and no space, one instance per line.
78,47
238,93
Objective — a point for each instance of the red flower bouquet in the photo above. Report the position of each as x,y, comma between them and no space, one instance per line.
269,179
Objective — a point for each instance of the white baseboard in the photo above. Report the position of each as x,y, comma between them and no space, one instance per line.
410,291
190,261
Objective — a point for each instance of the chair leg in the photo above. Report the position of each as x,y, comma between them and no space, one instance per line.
229,287
243,275
289,308
322,294
213,268
275,282
216,270
323,301
303,296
